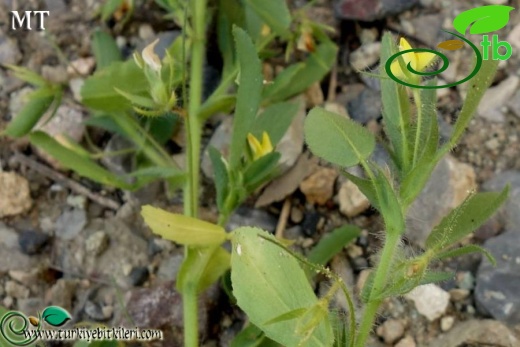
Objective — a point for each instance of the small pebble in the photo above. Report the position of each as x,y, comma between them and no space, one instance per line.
139,275
391,330
408,341
32,242
459,294
447,323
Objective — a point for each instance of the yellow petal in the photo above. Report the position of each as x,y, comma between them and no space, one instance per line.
424,59
267,146
407,57
254,144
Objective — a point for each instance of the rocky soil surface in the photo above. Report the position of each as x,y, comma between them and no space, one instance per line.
67,241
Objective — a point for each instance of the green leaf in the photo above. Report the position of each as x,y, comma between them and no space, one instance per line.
336,138
315,67
260,170
156,172
201,268
182,229
221,103
252,336
268,282
275,13
332,243
483,19
221,177
464,219
71,160
248,95
457,252
105,49
430,128
28,75
230,12
162,128
297,313
99,91
396,108
55,316
436,277
415,180
218,264
275,120
282,82
38,103
389,204
109,8
479,84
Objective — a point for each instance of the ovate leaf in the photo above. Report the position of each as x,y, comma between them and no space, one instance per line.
267,283
483,19
468,216
336,138
260,170
182,229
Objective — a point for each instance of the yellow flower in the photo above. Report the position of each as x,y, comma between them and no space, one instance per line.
259,149
418,61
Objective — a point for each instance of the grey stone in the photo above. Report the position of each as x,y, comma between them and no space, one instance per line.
9,51
8,236
126,250
497,288
119,164
370,10
32,242
492,103
62,293
169,267
510,213
477,333
450,183
97,312
13,259
366,106
244,216
365,56
70,223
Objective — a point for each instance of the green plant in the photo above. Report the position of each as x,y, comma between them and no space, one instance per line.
144,98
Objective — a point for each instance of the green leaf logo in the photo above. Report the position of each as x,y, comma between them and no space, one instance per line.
482,20
55,316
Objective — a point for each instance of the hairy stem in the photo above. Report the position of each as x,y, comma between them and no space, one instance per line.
418,131
391,242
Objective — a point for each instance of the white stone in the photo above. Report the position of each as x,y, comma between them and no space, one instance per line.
15,193
351,200
365,56
447,323
430,300
408,341
514,37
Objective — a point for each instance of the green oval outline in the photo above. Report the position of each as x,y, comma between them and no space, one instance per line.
445,65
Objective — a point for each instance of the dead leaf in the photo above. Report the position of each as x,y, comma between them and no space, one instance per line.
286,184
451,45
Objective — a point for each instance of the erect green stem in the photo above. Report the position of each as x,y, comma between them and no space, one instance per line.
418,131
387,256
193,129
193,125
